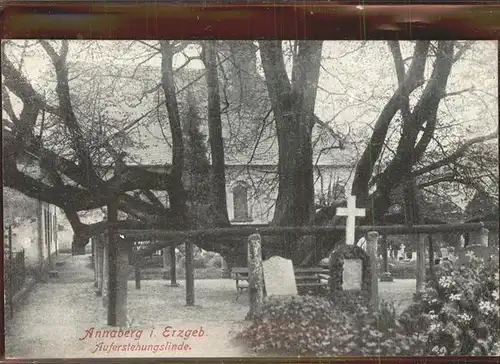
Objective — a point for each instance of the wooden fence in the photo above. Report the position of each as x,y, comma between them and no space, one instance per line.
118,239
191,236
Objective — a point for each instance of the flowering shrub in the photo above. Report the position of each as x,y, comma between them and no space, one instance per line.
456,315
459,313
310,325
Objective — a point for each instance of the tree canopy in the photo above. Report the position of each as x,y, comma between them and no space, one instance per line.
76,119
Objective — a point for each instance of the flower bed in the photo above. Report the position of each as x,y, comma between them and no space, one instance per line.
316,326
459,313
456,315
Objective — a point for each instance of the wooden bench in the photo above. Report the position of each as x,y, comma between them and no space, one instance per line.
240,275
308,280
312,280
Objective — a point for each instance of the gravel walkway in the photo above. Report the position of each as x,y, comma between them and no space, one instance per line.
58,313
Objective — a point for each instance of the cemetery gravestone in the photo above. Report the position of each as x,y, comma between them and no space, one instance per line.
414,256
352,274
401,252
279,277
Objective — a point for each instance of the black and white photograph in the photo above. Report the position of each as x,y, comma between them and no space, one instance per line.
250,198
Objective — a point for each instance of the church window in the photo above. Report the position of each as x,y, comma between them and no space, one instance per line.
240,202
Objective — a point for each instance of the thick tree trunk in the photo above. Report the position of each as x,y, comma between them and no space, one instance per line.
177,195
218,169
293,107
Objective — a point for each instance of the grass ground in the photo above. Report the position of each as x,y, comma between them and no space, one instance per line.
57,314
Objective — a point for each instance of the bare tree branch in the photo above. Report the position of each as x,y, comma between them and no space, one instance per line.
459,152
370,155
66,111
455,93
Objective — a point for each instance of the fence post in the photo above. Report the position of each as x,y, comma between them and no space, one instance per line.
105,269
386,274
55,234
165,256
173,266
99,264
11,275
94,260
255,275
483,236
189,273
420,263
137,268
371,247
122,272
117,270
431,258
112,213
385,253
23,267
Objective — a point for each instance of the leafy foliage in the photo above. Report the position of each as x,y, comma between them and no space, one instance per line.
17,208
459,314
482,206
197,166
310,325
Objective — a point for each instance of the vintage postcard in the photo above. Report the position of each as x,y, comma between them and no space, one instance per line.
250,198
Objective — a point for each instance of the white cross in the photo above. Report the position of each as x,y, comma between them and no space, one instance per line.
351,212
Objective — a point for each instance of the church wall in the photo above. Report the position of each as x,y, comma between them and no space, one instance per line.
34,229
262,189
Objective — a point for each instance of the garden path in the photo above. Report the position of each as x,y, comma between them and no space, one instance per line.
57,313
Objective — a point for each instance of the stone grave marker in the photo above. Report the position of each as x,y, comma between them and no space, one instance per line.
279,277
401,254
352,274
414,256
